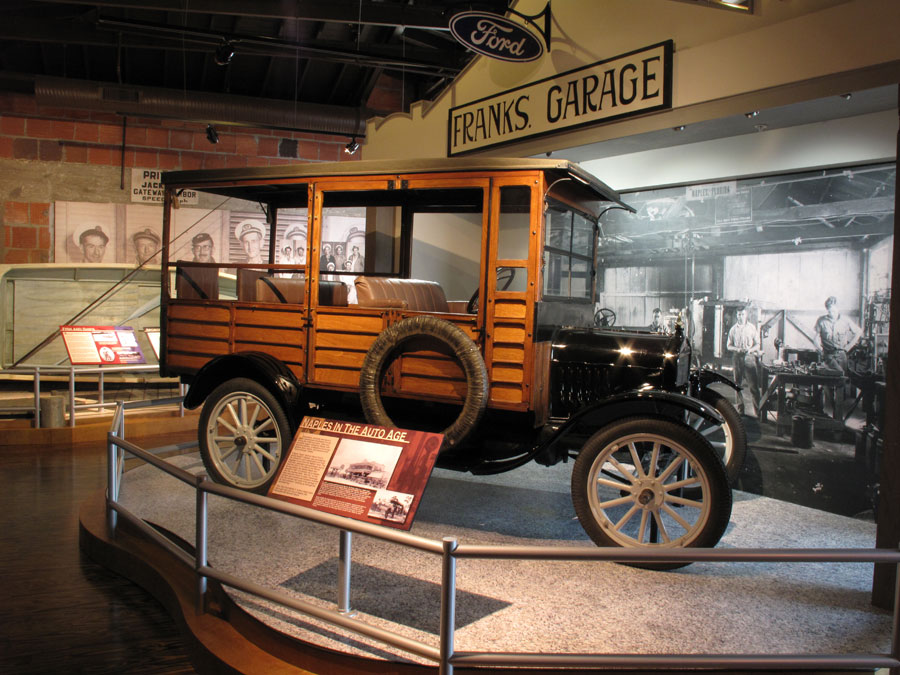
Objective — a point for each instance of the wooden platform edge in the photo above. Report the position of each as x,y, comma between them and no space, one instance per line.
226,639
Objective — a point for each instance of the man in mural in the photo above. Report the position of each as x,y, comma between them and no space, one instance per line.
203,248
657,325
146,245
745,347
358,262
835,336
93,243
250,233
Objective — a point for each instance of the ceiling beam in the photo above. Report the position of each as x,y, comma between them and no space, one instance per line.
338,11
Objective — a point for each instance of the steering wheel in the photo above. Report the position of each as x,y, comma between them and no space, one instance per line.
505,276
604,317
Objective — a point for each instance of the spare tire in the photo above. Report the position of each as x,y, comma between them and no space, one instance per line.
464,350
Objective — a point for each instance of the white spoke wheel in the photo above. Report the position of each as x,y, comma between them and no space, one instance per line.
729,440
244,433
647,482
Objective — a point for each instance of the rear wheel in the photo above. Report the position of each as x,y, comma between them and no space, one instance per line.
244,433
646,482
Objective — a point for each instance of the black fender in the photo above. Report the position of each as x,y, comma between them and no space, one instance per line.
257,366
653,403
701,379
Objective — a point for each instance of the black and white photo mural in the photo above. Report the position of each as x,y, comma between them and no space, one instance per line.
782,284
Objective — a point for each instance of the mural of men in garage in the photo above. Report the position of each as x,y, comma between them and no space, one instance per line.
745,347
835,336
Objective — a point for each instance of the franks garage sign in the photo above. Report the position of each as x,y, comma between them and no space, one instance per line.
625,85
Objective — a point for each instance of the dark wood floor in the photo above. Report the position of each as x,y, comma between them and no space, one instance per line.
62,613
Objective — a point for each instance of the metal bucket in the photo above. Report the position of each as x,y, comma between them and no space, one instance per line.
802,428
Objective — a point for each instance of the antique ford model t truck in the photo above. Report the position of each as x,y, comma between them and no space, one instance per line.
452,294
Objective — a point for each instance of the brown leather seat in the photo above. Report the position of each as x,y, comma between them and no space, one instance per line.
288,290
196,283
416,294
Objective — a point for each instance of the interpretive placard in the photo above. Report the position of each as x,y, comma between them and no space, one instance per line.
101,345
361,471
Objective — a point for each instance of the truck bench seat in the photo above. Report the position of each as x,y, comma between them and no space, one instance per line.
415,294
288,290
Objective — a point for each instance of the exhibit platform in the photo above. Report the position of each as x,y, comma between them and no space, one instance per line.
541,607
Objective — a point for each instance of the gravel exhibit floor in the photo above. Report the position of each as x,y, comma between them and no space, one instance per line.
591,607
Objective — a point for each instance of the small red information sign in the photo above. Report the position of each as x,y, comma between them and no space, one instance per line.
362,471
101,345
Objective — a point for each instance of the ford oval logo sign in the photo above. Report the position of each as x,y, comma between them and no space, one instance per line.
495,36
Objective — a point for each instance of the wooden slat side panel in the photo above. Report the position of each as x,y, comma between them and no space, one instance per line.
510,309
339,358
325,340
509,354
200,330
347,379
507,374
269,318
509,333
434,388
197,311
197,346
270,335
506,393
349,323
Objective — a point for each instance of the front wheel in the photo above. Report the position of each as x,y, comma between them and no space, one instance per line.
647,482
244,433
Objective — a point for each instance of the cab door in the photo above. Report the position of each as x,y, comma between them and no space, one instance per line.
511,289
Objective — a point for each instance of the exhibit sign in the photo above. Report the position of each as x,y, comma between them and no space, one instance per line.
362,471
101,345
622,86
147,188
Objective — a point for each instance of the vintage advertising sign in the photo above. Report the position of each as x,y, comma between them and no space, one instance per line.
361,471
495,36
622,86
101,345
147,188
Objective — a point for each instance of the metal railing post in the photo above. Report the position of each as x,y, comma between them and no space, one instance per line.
37,397
100,384
201,543
345,550
448,604
895,633
72,396
112,489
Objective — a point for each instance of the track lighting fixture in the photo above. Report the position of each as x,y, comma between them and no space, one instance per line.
680,127
224,53
352,146
211,134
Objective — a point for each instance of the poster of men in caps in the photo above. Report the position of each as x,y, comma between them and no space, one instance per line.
103,234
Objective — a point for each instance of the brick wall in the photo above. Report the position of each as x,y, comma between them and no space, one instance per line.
61,144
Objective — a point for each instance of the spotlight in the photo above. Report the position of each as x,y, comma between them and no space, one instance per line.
352,146
847,96
224,53
680,127
750,115
211,134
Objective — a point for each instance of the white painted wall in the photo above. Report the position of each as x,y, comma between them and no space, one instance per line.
853,140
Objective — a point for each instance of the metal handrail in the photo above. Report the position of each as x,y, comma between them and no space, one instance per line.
450,551
35,371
